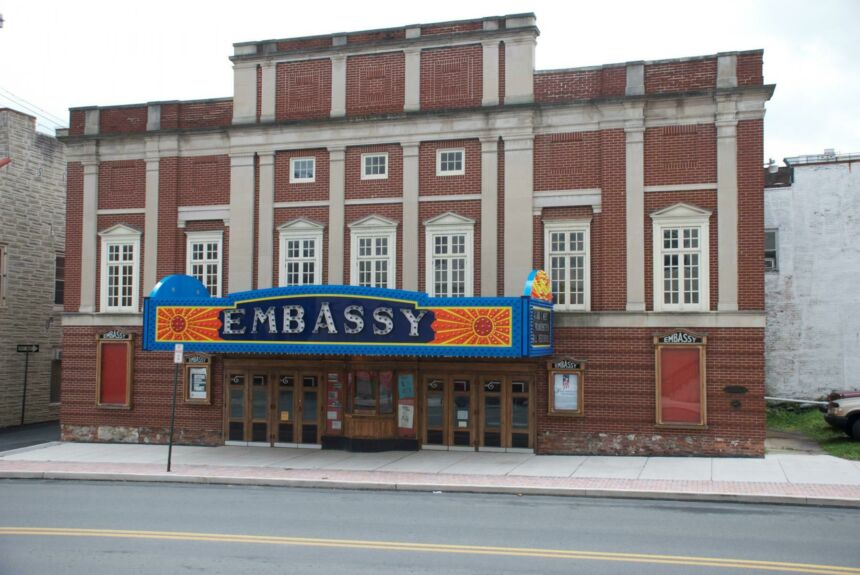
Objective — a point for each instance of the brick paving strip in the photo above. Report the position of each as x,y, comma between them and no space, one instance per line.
692,490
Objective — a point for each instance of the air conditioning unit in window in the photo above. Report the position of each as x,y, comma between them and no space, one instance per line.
769,264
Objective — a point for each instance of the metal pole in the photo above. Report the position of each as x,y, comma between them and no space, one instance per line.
24,397
172,416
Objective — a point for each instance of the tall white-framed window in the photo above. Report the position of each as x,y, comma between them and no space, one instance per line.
374,166
449,255
303,170
120,269
451,162
373,252
203,259
300,246
681,258
567,259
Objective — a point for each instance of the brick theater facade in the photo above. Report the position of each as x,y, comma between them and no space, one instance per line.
435,158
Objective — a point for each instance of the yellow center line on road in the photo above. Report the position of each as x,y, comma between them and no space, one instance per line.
438,548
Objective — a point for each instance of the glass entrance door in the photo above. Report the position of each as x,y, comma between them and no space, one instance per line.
296,412
506,413
434,411
448,412
310,409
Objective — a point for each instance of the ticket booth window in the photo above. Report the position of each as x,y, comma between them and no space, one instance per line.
373,392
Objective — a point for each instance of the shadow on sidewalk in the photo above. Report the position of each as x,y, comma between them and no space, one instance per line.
26,435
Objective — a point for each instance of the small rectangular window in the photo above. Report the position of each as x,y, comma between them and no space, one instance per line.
374,166
771,245
302,170
59,279
450,162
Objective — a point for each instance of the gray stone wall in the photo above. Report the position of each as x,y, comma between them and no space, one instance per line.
812,340
32,231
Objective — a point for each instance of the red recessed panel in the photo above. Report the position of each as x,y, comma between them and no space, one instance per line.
114,373
680,386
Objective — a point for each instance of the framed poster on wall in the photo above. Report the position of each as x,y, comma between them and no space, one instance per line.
565,383
197,379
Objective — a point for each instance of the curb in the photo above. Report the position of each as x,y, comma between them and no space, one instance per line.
434,487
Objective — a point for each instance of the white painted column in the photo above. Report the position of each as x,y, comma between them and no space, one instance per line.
491,73
519,233
266,221
727,205
267,93
489,215
412,78
150,230
336,197
89,237
338,86
244,93
241,222
635,210
519,71
409,249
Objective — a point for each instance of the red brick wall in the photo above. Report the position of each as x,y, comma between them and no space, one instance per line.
284,215
151,395
122,184
429,184
452,77
77,122
204,180
620,396
501,73
375,84
74,221
303,90
301,192
390,187
469,209
500,229
135,221
451,28
612,224
750,215
357,212
567,161
122,120
672,77
567,85
374,37
304,43
702,199
681,155
749,70
205,114
259,107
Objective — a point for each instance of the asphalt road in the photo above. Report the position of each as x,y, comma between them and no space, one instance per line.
116,528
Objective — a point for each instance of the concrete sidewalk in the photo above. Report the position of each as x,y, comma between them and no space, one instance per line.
794,478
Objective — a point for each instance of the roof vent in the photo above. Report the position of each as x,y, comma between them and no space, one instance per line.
830,152
772,167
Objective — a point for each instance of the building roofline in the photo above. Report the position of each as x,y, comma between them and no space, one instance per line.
821,159
19,112
155,103
651,62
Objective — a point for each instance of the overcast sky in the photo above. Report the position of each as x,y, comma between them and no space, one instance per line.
57,55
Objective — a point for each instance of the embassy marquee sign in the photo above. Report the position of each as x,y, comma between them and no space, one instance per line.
341,320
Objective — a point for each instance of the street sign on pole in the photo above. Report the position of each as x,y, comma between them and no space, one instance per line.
28,348
177,353
177,361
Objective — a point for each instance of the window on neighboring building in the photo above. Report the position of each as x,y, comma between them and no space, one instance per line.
373,248
373,392
771,245
680,245
302,170
374,166
120,262
203,259
59,278
300,253
56,376
449,246
3,277
450,162
567,259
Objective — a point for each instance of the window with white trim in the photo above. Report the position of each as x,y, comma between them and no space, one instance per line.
567,259
374,166
681,258
120,269
301,244
771,243
449,255
303,170
203,257
373,249
451,162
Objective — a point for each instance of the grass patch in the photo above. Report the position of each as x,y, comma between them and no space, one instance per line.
810,422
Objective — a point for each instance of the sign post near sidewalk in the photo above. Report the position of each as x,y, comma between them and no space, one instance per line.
26,349
177,361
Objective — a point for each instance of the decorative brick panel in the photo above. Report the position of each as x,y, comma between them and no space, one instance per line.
122,120
681,155
750,215
303,90
674,76
570,85
567,161
204,180
500,229
375,84
390,187
205,114
501,73
452,77
374,37
305,191
429,184
122,184
451,28
74,223
304,44
612,224
169,261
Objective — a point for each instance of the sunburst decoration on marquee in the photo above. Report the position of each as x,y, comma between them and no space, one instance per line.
175,323
472,326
